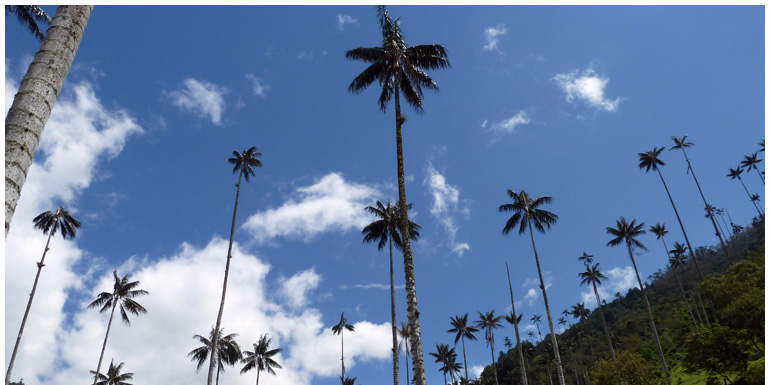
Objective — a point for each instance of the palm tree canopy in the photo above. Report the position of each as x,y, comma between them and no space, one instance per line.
396,66
228,351
387,224
527,209
735,172
461,328
513,321
123,293
245,162
580,311
343,324
591,275
535,318
586,258
680,143
29,16
750,161
659,229
489,323
404,331
261,357
50,221
113,377
626,232
649,160
755,197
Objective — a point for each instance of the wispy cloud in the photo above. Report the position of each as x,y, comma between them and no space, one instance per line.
492,34
258,85
377,286
446,204
344,19
508,126
619,279
588,87
330,204
201,98
304,55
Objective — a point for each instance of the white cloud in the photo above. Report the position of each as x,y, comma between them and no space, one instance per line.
588,87
200,97
508,126
446,202
377,286
492,35
296,289
344,19
258,85
532,295
475,370
619,279
330,204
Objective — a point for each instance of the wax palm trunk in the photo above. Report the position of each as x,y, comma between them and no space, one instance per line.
36,97
559,370
393,315
215,340
104,345
516,329
29,305
604,323
649,313
749,194
418,365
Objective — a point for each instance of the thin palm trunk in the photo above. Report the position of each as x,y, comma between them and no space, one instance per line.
465,360
258,375
29,304
218,370
494,364
342,346
516,329
104,345
406,356
393,314
604,323
215,340
649,313
411,290
758,173
36,97
559,370
749,194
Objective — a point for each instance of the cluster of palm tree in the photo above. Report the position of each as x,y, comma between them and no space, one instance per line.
229,353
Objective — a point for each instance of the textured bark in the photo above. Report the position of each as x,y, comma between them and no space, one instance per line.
104,345
29,304
393,314
218,326
555,343
36,97
516,329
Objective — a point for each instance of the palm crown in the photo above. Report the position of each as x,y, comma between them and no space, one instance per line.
123,294
626,232
387,224
592,275
228,351
659,230
61,219
245,162
586,258
461,328
649,160
114,376
29,16
262,357
526,210
489,323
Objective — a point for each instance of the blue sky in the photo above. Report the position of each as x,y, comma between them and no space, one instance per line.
554,100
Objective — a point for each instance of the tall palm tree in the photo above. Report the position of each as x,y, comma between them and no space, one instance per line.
581,312
243,164
751,161
462,331
385,230
755,200
594,277
515,321
261,358
528,214
681,144
442,357
735,173
228,351
29,16
114,376
404,333
649,160
339,329
562,322
489,323
626,232
536,320
452,366
531,334
400,70
36,97
48,222
676,260
123,293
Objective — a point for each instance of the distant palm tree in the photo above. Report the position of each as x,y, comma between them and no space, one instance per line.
399,70
751,161
442,357
261,358
593,276
527,213
244,164
531,334
681,144
581,312
462,331
113,377
536,320
626,232
489,323
735,173
123,294
512,319
507,341
228,351
348,380
676,260
385,230
755,200
339,329
48,222
566,313
452,366
404,333
29,16
586,258
562,322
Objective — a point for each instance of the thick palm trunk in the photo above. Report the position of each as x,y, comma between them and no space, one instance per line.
749,194
104,345
711,216
29,304
36,97
604,323
215,340
393,315
415,340
649,313
516,328
559,370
